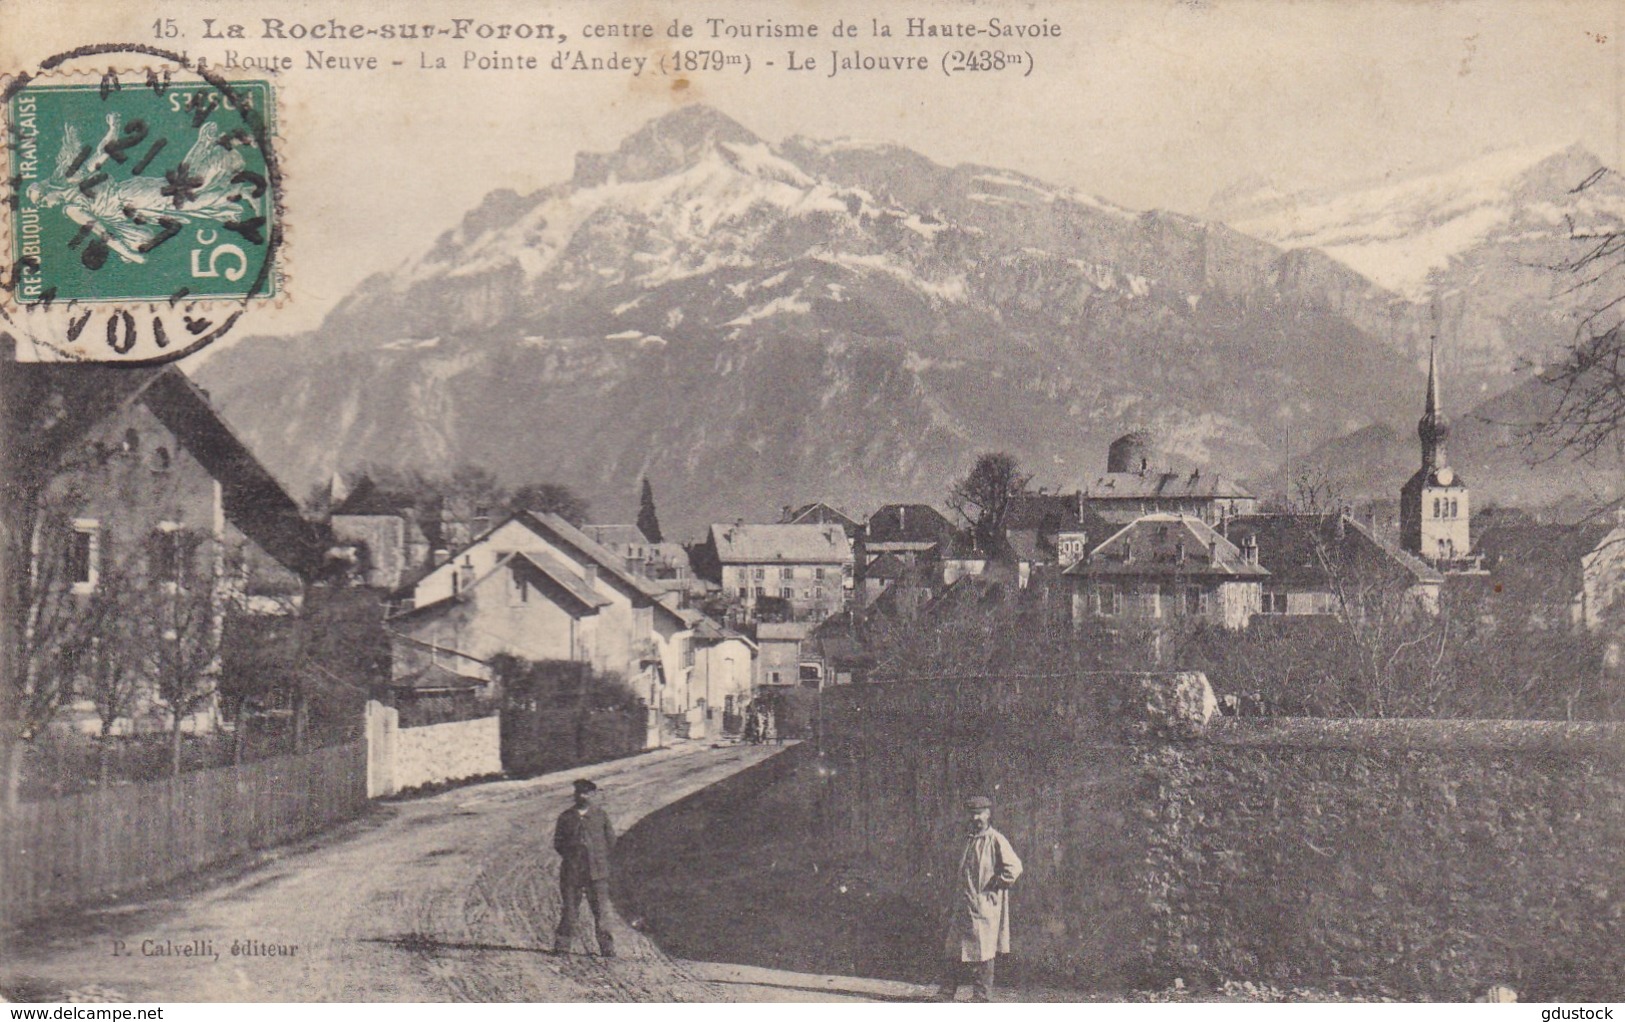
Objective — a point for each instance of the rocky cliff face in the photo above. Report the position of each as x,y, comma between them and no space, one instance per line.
753,324
1481,251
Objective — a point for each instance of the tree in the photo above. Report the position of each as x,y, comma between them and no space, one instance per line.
553,498
107,667
177,638
648,522
48,412
1586,385
983,497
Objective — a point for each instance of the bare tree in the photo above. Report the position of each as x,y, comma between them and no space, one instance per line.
982,499
178,638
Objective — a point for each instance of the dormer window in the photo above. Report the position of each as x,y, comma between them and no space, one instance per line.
160,460
132,441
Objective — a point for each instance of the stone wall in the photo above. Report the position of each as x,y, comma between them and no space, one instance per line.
1419,859
402,758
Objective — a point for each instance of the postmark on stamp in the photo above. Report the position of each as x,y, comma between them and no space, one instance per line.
142,209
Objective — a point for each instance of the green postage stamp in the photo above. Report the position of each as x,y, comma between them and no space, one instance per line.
140,193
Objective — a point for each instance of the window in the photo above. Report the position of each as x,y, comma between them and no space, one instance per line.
160,460
818,573
83,555
132,441
1436,513
1453,510
1275,603
759,574
744,592
1164,600
787,573
1196,600
164,560
774,678
688,652
760,592
1109,600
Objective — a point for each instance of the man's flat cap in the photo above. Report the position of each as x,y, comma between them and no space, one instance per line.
582,784
979,802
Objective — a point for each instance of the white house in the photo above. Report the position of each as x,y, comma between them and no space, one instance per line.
537,587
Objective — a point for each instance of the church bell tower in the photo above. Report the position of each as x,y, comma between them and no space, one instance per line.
1434,516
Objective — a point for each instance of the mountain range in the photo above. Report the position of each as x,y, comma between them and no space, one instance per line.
755,324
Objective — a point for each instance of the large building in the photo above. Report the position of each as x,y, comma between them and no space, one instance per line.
797,573
1434,513
1163,568
1133,487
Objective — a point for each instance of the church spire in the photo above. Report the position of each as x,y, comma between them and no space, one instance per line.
1433,429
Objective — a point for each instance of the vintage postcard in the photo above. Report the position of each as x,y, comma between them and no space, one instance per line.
550,501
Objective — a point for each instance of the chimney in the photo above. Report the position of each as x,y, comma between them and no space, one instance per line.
902,517
591,571
1212,550
1145,464
785,513
440,556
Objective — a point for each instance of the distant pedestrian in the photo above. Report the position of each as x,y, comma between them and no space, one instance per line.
584,837
978,904
752,728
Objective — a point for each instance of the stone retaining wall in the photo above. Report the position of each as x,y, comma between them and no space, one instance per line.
1420,859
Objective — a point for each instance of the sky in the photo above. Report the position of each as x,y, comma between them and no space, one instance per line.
1148,103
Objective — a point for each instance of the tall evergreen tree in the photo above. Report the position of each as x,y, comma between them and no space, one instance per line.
648,522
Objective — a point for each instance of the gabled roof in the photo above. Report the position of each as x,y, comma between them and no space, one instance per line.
886,566
545,522
781,544
819,513
908,523
1168,545
707,630
616,535
1195,485
559,573
437,678
551,568
255,501
1304,550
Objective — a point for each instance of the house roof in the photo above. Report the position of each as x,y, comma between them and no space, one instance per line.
908,523
1538,559
437,678
1168,545
366,498
819,513
707,630
1303,550
1043,511
85,395
561,574
1195,485
886,566
616,535
781,544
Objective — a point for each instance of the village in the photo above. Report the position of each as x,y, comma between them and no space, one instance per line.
190,619
469,604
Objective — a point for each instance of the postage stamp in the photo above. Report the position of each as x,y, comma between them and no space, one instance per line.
137,193
141,210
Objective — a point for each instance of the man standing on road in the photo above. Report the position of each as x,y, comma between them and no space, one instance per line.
979,904
584,838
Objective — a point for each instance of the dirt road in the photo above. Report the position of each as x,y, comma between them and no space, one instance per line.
447,898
